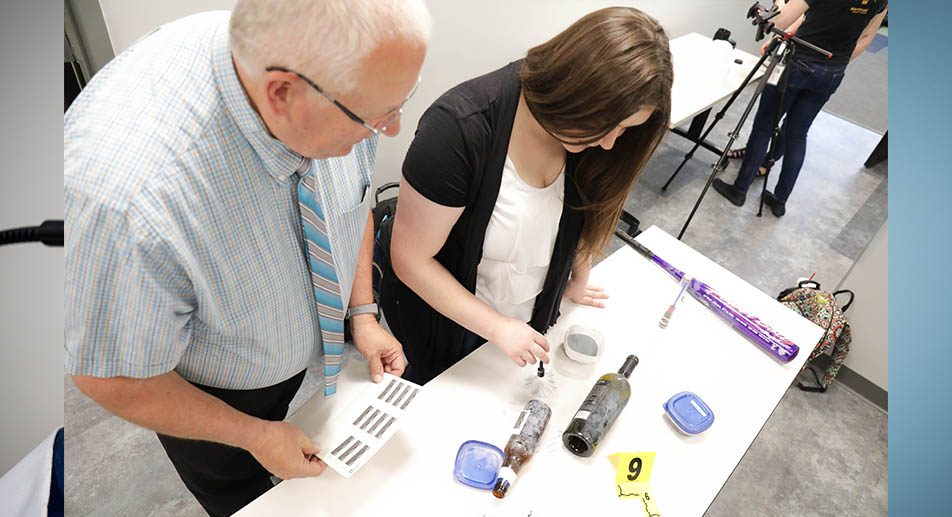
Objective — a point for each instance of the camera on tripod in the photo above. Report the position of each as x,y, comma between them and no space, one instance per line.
762,19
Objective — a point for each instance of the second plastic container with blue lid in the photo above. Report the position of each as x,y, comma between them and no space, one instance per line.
477,464
689,413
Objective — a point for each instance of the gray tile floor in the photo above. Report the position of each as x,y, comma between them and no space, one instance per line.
819,454
862,97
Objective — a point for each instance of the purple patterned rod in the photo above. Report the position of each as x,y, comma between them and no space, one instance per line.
757,331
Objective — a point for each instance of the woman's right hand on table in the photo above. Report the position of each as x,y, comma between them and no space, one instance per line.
522,343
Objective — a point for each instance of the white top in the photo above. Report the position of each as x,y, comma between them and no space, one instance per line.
480,398
518,243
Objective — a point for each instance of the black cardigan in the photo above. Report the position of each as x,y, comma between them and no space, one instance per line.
469,127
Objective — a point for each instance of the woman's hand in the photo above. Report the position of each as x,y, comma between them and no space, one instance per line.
520,341
583,294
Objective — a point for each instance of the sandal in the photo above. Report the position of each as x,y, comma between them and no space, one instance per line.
739,154
735,154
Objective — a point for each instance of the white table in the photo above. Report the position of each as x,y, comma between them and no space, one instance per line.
703,77
480,397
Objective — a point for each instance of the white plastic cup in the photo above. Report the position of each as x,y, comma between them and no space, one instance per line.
583,344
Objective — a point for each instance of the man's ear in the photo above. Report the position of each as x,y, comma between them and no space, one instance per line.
278,88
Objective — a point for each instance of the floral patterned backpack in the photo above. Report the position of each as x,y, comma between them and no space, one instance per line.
821,307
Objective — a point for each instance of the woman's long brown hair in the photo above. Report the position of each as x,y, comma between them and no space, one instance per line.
582,84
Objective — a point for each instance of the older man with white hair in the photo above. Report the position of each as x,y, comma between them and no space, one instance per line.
217,178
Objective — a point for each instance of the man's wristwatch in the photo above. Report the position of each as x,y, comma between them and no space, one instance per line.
370,308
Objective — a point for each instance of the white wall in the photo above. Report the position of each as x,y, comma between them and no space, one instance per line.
94,38
31,190
470,37
128,21
869,315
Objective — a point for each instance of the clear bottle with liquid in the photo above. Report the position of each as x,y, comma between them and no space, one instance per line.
599,410
522,444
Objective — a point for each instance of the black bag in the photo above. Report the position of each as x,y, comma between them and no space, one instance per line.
383,212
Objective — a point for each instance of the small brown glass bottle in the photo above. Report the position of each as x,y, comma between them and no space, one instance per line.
522,444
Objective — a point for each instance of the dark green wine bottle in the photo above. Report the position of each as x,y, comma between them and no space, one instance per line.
599,410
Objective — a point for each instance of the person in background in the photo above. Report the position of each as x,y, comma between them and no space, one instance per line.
844,28
217,176
513,185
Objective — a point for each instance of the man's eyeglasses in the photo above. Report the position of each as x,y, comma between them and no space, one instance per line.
385,121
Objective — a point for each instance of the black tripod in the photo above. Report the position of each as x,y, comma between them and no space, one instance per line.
779,37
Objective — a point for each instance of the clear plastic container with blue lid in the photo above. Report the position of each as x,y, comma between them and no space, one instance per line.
689,413
477,464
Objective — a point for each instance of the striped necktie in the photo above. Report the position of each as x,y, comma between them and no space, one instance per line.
330,309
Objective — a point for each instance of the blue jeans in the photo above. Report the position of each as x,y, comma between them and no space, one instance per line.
809,86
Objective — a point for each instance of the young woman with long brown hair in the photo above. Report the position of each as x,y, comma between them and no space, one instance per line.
513,185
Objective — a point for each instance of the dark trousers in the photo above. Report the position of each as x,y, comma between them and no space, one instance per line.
809,86
224,479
